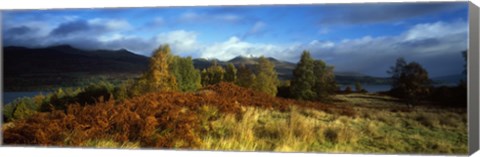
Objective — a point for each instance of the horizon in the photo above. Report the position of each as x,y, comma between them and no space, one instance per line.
351,37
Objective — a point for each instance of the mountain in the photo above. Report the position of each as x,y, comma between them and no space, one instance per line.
43,68
67,59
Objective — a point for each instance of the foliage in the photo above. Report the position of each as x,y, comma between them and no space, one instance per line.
213,74
230,73
324,79
347,90
312,79
303,79
159,77
59,99
245,77
410,81
188,78
94,92
266,80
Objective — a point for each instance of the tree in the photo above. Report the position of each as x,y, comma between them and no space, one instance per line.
266,80
230,73
303,78
213,74
158,77
359,88
245,77
396,71
188,78
410,82
324,79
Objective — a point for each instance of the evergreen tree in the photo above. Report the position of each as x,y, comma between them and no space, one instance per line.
230,73
303,78
266,80
324,79
245,77
188,78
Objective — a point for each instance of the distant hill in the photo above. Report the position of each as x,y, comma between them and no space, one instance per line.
66,65
67,59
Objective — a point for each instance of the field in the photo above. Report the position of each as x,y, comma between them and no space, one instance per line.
228,117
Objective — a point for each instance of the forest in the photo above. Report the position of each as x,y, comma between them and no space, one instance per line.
231,107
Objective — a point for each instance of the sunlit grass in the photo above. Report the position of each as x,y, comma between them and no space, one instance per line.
374,131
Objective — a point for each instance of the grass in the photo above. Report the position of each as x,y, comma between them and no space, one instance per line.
379,130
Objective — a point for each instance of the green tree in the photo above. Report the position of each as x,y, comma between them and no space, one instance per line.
266,80
359,87
230,73
324,79
213,74
303,79
188,78
410,82
245,77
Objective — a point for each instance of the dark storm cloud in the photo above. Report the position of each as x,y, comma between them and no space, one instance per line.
388,12
72,27
21,30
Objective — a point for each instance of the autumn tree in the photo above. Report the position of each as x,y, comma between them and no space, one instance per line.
303,81
266,80
188,78
245,77
410,82
213,74
324,84
230,73
158,76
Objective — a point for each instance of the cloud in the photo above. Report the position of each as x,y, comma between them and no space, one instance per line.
92,26
71,27
110,24
383,12
258,28
427,43
180,41
21,30
195,17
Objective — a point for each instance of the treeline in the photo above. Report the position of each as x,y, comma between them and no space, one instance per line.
411,83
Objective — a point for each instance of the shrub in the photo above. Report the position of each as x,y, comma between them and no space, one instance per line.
95,91
331,135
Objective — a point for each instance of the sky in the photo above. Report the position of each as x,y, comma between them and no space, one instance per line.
364,38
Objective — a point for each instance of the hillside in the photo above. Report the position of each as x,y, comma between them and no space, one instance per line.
42,68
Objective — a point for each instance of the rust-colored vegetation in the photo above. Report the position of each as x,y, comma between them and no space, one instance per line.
161,119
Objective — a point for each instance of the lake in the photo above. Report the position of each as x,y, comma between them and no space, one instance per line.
371,88
8,97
